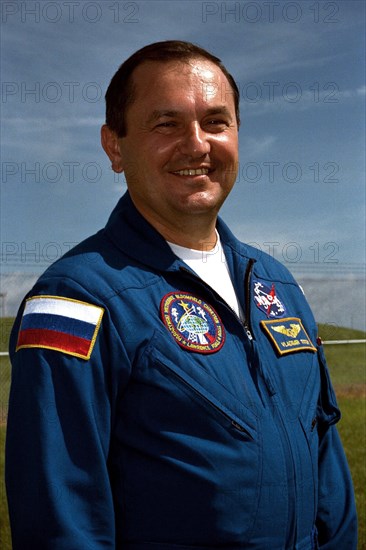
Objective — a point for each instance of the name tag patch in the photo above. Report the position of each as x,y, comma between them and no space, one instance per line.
287,335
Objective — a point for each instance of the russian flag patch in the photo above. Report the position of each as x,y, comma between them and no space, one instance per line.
61,324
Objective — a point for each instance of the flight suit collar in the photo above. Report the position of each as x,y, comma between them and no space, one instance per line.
138,239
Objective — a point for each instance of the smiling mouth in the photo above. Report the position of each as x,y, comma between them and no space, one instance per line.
192,172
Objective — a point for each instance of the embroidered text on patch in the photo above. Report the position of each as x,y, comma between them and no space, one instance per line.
287,335
266,300
193,323
61,324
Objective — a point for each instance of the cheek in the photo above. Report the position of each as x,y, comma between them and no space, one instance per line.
227,146
163,149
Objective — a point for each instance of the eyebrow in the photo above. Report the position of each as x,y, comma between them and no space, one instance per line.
156,114
222,110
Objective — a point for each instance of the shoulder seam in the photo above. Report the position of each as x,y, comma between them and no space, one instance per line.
101,297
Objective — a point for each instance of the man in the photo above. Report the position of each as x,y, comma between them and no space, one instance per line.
169,391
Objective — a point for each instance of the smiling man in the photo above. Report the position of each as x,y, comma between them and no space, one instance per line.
168,389
180,151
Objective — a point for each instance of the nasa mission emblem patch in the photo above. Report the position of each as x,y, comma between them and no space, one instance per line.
193,323
267,300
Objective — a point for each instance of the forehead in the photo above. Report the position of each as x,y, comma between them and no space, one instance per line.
172,81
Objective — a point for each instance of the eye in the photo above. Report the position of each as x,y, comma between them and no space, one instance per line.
165,125
216,124
217,121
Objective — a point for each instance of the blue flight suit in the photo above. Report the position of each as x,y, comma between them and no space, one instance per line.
186,428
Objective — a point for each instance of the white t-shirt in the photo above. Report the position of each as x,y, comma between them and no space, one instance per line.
211,266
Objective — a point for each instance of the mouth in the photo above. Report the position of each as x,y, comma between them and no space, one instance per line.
192,172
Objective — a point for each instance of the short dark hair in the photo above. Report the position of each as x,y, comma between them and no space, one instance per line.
120,92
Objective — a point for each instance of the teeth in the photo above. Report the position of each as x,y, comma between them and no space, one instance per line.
198,172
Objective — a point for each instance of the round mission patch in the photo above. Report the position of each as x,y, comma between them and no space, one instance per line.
192,322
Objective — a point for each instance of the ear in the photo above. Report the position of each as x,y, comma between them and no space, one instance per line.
110,144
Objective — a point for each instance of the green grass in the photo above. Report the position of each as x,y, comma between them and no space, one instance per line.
352,429
5,538
347,366
5,327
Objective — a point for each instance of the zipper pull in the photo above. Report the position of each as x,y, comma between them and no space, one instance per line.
248,333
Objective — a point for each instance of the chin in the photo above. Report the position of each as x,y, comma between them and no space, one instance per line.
201,204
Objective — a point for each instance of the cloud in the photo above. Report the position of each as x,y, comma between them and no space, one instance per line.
252,147
358,92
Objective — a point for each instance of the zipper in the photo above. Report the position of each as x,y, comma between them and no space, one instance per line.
286,441
224,414
246,322
247,279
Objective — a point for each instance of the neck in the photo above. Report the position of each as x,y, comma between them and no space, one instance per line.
194,231
194,242
198,236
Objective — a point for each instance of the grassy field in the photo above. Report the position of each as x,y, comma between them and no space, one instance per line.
348,370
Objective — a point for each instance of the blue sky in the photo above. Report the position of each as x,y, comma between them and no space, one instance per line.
300,70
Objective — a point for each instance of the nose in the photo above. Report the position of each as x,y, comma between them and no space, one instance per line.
194,142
